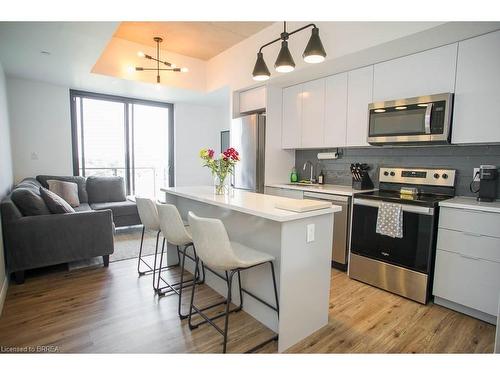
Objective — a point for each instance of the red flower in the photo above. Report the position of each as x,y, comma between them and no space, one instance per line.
211,153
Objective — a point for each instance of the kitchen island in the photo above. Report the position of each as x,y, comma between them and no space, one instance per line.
301,242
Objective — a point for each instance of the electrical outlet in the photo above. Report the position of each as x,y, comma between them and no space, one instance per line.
475,174
310,233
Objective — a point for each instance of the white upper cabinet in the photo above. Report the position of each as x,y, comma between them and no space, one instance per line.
335,110
291,130
424,73
359,95
476,117
313,113
253,99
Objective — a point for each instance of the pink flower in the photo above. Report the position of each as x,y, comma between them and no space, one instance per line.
211,153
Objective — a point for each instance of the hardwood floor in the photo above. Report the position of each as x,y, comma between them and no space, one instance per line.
109,310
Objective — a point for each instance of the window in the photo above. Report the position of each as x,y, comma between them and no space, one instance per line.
117,136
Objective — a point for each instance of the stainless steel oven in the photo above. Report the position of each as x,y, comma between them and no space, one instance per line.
400,265
423,119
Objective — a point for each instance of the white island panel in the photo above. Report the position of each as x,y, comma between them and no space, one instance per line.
302,268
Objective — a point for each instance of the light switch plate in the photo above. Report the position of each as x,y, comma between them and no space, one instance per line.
310,233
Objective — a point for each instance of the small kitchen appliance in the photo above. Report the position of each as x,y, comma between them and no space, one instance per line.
400,265
422,119
488,179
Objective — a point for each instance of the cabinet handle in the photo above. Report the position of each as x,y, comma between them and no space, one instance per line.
472,234
468,257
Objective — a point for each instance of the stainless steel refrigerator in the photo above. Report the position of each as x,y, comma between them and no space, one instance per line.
248,136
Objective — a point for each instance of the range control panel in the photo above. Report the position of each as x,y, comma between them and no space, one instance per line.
422,176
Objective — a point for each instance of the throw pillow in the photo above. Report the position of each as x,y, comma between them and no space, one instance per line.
66,190
28,202
56,204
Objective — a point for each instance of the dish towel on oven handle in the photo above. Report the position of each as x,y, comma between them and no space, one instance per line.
390,220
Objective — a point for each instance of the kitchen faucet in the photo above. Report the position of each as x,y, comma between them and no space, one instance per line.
311,179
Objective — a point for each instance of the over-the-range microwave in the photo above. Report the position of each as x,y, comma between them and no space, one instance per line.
423,119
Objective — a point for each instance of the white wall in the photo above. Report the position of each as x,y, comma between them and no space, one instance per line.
41,124
196,127
5,174
40,128
234,66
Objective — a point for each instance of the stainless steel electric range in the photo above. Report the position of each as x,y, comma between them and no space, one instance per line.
400,265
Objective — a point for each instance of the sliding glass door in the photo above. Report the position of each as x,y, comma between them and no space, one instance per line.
117,136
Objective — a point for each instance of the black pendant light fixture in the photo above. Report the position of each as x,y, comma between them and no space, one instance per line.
171,67
313,53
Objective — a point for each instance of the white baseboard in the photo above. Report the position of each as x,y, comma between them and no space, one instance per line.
3,293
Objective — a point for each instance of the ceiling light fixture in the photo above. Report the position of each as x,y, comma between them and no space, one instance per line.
313,53
171,67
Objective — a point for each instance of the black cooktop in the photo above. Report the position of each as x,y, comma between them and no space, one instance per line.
427,200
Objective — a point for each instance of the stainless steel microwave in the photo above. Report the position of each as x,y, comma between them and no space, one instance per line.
423,119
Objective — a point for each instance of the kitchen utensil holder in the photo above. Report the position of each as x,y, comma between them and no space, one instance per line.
363,183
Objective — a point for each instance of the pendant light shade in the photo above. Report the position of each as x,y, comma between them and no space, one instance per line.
284,63
314,52
260,70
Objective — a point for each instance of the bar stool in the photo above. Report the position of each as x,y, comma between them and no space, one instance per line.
176,233
216,251
150,221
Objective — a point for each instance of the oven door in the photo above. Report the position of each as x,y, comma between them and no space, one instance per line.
413,120
413,251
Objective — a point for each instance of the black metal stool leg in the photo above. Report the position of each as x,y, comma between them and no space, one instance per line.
160,267
275,289
191,304
241,292
156,256
182,281
140,253
226,323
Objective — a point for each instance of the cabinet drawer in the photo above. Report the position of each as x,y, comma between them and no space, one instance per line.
469,244
469,221
470,282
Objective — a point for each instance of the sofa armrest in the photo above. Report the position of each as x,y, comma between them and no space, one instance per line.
36,241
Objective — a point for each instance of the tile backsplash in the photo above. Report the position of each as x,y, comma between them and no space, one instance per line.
462,158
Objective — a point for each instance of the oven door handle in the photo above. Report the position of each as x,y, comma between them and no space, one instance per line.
428,114
406,207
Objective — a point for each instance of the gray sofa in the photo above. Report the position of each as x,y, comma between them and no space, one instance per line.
46,239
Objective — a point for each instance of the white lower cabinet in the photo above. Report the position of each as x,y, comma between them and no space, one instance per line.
467,268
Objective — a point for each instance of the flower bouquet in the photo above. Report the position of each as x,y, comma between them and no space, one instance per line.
220,167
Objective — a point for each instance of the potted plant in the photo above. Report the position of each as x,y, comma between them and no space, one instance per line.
220,167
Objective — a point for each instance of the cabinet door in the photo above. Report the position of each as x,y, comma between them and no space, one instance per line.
252,100
476,117
359,95
292,117
313,113
288,193
335,110
423,73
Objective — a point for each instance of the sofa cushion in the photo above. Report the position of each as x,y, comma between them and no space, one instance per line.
124,208
79,180
29,201
66,190
55,203
105,189
83,207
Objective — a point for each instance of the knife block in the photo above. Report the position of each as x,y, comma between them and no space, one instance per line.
364,183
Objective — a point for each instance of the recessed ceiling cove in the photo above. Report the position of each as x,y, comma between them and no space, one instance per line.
201,40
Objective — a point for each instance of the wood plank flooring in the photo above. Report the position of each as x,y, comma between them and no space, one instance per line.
112,310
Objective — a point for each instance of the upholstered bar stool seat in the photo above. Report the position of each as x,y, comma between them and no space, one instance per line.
178,234
216,251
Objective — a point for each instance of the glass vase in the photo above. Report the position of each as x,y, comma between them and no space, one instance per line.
220,185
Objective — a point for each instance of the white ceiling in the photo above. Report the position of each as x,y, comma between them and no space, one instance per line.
74,48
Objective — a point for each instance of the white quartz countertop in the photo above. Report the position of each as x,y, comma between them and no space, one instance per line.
326,188
471,203
261,205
